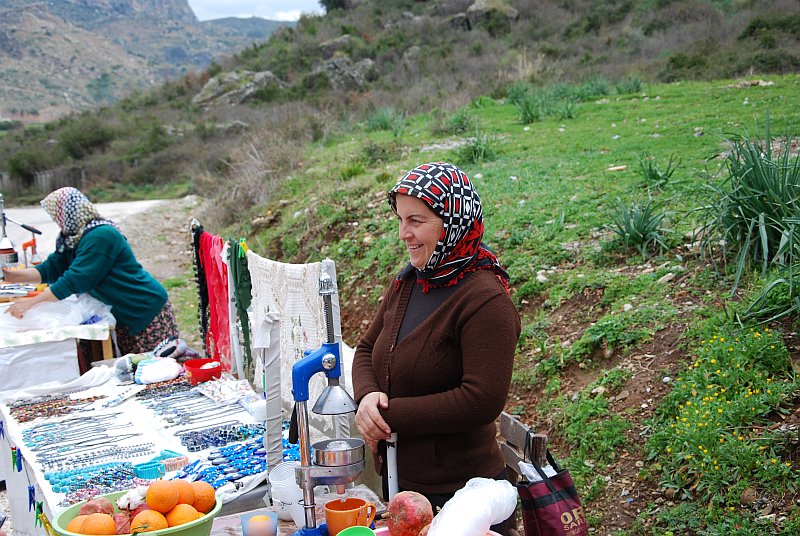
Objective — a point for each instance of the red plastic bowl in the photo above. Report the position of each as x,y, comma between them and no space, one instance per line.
197,374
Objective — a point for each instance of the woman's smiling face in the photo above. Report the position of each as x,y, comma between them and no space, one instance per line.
420,229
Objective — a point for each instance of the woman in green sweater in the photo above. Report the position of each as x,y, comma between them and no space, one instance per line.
435,364
93,257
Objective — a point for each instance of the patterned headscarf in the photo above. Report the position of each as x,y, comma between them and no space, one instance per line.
74,214
450,194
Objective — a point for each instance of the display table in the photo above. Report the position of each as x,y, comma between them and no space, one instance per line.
34,357
113,419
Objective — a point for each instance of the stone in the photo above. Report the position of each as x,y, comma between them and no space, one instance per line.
330,47
748,496
236,87
484,11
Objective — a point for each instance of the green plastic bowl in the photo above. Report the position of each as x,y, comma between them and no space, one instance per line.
199,527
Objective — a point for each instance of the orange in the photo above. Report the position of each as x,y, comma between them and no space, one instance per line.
182,513
162,496
75,524
204,497
185,491
98,523
148,521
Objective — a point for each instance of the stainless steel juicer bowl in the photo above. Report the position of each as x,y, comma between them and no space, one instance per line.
338,452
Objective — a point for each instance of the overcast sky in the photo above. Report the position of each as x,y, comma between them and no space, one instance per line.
267,9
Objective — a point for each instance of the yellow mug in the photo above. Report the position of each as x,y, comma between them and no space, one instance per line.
341,514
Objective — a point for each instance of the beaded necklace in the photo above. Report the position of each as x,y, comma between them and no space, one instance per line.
50,407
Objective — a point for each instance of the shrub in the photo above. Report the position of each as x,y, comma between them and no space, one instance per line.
755,211
385,118
85,135
459,122
651,172
628,85
479,148
24,164
708,430
639,225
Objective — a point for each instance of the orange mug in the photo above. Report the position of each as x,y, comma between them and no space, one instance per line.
340,514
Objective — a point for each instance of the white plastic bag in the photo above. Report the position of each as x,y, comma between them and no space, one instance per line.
531,475
71,311
483,502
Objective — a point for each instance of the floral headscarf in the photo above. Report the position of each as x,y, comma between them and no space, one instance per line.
74,214
451,195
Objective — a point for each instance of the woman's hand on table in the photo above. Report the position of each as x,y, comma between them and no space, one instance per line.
370,421
19,308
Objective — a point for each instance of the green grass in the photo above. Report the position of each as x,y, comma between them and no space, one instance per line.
548,198
183,295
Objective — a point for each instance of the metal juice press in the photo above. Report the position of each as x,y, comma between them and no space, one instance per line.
337,461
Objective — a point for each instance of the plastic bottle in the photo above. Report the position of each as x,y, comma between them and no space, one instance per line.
8,255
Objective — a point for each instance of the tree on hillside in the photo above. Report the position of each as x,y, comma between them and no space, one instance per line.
333,4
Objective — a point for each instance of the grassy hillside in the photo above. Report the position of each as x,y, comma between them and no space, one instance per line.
619,343
417,56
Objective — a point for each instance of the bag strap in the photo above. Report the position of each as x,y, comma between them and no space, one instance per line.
526,453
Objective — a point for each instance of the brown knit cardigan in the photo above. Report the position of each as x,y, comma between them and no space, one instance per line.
447,381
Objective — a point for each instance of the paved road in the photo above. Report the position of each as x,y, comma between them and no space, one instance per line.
36,217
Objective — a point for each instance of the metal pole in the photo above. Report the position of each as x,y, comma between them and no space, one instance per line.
305,462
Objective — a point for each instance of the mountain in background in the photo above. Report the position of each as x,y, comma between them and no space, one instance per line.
60,56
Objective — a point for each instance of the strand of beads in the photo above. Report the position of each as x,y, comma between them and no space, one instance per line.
164,389
59,463
52,406
229,464
218,436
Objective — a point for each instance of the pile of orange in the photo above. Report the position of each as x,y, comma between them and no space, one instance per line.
171,503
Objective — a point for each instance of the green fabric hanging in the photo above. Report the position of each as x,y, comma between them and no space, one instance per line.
242,293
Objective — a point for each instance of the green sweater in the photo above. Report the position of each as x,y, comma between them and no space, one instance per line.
104,266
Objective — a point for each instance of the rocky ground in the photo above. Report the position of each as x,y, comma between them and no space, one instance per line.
160,238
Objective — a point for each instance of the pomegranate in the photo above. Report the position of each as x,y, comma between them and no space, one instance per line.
96,505
409,512
425,529
122,520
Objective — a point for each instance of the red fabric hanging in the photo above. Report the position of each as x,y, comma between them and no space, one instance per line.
218,340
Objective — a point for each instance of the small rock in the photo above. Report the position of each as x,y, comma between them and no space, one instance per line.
666,379
627,307
748,496
666,278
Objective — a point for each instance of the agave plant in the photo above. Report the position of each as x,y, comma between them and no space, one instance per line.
652,173
756,210
639,225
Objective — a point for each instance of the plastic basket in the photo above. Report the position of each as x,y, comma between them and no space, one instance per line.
199,527
197,374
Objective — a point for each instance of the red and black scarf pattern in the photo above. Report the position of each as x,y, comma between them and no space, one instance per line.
451,195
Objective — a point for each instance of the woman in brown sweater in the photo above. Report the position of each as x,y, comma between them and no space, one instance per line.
435,364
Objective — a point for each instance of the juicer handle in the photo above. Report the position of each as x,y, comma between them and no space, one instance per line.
294,430
26,227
